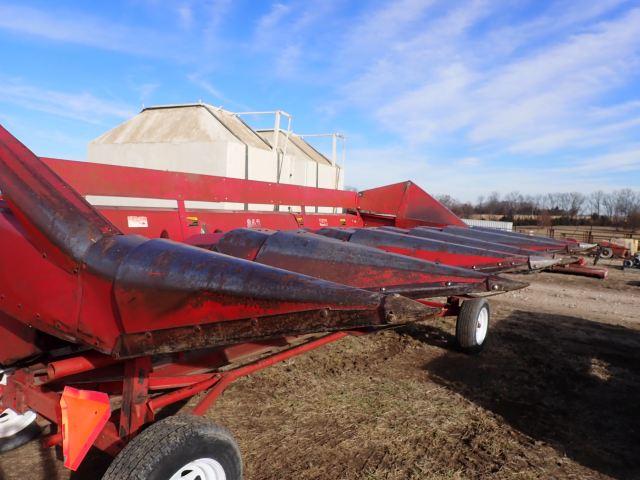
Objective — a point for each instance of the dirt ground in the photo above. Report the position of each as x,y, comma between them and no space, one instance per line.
556,394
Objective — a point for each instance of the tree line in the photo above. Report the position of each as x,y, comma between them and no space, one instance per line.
616,208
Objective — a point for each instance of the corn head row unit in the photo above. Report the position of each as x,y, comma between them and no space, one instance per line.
110,317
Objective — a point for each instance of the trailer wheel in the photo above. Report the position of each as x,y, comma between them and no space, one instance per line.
17,429
606,252
183,447
472,325
627,263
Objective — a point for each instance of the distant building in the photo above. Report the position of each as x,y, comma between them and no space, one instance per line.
201,138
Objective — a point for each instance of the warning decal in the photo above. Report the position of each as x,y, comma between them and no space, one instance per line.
137,222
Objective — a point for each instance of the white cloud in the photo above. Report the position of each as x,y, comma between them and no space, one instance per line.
287,61
84,29
210,89
294,33
372,167
272,18
468,162
525,96
449,83
76,105
626,160
185,15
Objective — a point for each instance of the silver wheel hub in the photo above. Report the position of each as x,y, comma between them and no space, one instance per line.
12,423
482,326
201,469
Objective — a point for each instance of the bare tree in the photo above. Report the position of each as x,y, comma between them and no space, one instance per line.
512,202
577,200
609,204
595,202
493,203
617,207
448,201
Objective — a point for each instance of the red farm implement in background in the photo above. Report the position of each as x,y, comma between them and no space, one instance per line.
109,315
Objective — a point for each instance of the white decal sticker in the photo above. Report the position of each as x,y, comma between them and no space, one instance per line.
137,222
253,223
323,222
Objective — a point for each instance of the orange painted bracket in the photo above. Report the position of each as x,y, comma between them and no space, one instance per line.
84,415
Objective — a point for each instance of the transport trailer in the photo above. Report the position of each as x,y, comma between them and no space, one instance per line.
104,330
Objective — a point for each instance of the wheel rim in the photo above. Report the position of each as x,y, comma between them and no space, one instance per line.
201,469
482,325
12,423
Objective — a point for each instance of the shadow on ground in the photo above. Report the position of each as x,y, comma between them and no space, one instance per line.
571,383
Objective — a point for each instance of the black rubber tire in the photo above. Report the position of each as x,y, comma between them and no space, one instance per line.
606,252
23,437
166,446
466,325
627,263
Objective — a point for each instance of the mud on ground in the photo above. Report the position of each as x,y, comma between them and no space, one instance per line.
556,394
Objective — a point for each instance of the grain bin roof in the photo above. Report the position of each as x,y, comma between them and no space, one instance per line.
183,124
297,145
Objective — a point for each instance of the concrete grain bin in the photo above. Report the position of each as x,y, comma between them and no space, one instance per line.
200,138
192,138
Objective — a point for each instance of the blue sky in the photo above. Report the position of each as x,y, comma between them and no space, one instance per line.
462,97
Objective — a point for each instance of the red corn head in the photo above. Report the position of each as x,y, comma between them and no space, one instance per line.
357,265
537,261
573,245
428,249
68,271
507,238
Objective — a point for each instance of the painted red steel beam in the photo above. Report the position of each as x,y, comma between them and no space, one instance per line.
187,392
99,179
78,364
581,270
230,376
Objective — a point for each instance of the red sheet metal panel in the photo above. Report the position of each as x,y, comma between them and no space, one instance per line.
98,179
18,340
411,206
167,223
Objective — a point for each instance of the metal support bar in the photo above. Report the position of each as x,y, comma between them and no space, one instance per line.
135,394
232,375
186,392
